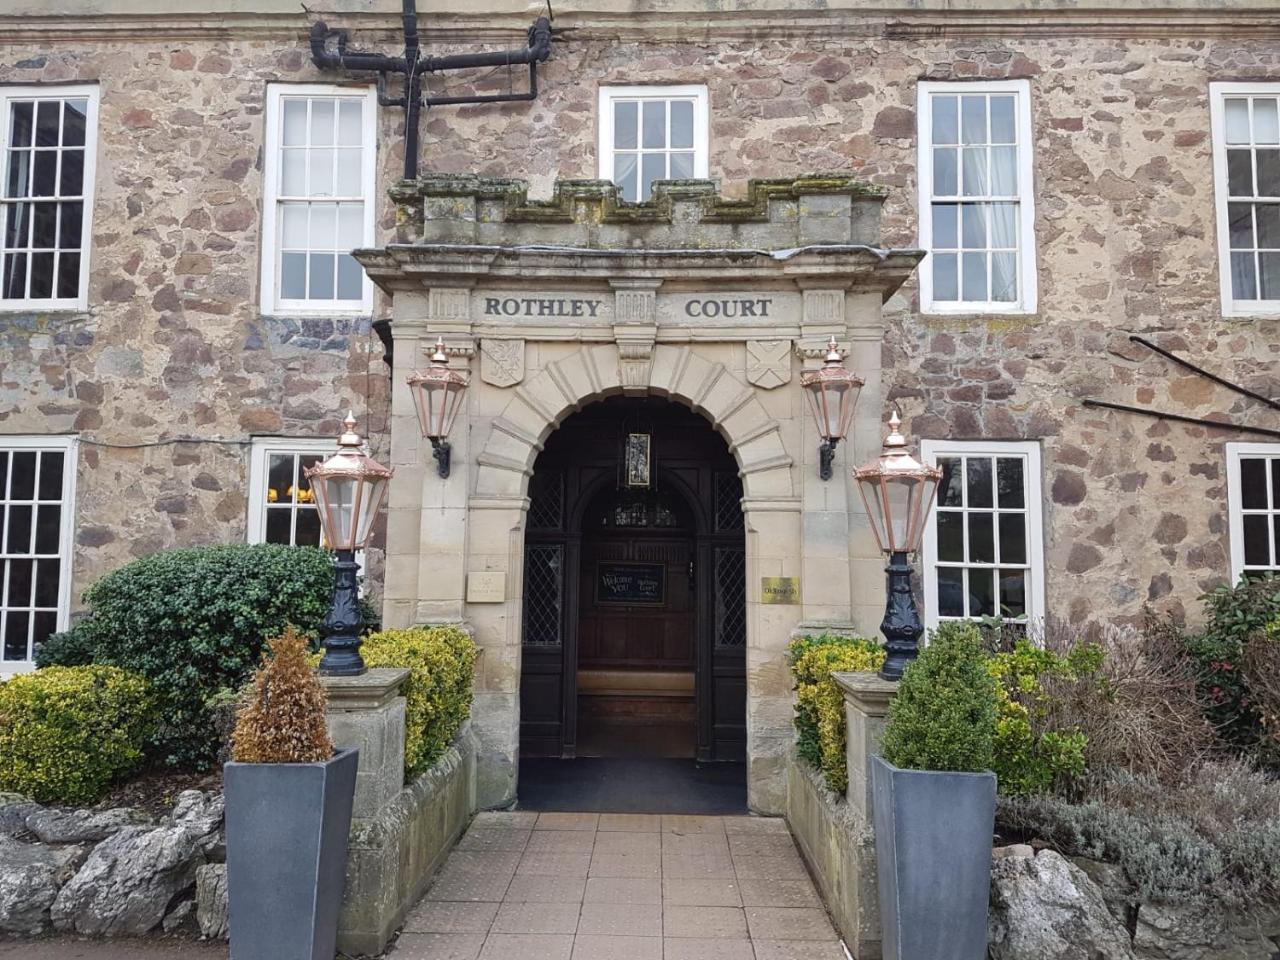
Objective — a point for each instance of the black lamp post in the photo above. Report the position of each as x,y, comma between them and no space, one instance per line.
833,393
437,396
349,488
898,492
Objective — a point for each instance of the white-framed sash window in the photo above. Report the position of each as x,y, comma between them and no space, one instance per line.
977,213
282,508
652,133
1253,507
49,137
319,198
1245,120
983,550
37,507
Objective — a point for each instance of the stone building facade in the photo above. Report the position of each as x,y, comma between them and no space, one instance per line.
181,368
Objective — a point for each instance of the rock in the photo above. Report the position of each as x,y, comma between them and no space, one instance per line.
1013,850
1186,932
1116,889
180,918
30,877
211,900
14,811
1044,908
196,811
128,882
80,826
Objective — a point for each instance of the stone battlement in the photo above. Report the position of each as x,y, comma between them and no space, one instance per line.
815,209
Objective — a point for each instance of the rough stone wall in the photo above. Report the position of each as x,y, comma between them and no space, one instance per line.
174,344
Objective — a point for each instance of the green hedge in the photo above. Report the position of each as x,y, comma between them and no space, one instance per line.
193,621
441,663
67,732
819,719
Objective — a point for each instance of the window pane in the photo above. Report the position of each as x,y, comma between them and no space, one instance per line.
44,624
72,215
681,123
950,536
293,276
1003,129
1239,173
350,278
681,166
48,529
323,115
1257,547
15,276
293,173
950,592
320,271
1004,225
320,172
653,167
944,172
18,539
18,225
1013,538
45,168
20,581
654,118
18,164
48,123
1253,483
1269,279
44,231
293,228
973,218
4,474
51,475
978,477
350,226
1013,593
1237,110
973,119
982,538
949,492
280,478
1240,225
16,627
945,119
1266,126
1268,216
975,276
1269,173
71,180
307,533
1004,277
48,580
982,601
68,275
625,176
20,126
1275,483
1243,280
322,233
1004,171
295,122
22,481
278,526
625,123
944,226
350,125
946,283
304,494
348,184
974,175
1009,482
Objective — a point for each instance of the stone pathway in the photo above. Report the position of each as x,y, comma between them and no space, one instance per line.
585,886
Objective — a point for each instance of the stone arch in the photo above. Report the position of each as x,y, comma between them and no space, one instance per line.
677,372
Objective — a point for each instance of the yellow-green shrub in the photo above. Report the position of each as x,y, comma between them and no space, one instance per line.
441,663
67,732
820,725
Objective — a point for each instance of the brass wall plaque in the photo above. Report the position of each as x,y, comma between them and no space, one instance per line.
779,589
486,586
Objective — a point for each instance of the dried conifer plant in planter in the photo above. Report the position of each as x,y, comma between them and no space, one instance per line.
289,796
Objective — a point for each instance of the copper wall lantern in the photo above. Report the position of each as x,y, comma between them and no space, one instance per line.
437,396
833,393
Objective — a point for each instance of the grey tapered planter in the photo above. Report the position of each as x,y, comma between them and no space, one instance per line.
933,861
287,827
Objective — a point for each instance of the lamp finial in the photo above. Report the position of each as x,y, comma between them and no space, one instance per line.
349,436
438,355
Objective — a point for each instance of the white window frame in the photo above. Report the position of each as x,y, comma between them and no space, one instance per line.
69,445
1235,504
930,451
271,303
701,122
259,466
1028,296
1218,94
50,91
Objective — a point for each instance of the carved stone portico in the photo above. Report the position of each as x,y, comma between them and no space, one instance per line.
715,304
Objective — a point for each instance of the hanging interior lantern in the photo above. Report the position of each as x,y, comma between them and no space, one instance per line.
898,492
833,393
349,488
437,396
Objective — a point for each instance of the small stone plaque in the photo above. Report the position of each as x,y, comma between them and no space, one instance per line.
780,590
485,586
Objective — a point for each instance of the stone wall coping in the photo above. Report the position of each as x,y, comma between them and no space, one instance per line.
370,690
868,692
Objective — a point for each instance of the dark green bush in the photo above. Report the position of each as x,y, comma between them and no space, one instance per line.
944,714
193,621
67,732
1234,614
71,648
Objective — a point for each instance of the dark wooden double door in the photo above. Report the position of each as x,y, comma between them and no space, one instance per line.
634,598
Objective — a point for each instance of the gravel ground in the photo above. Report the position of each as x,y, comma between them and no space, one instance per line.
64,949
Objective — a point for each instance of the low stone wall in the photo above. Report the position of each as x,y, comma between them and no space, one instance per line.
840,848
393,854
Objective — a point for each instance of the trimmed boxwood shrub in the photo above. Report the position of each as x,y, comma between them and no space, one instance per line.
441,663
819,720
944,714
193,621
67,732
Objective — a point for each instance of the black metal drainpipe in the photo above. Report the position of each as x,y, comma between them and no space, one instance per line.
412,66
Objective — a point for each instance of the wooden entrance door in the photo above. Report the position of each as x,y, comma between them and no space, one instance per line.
635,597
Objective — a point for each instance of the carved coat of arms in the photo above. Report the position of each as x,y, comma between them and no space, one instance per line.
769,363
502,362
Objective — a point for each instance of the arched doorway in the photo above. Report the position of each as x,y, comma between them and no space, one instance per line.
634,609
